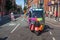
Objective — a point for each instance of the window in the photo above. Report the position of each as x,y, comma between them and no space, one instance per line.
38,14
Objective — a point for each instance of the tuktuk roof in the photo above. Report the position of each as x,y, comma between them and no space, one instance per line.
37,9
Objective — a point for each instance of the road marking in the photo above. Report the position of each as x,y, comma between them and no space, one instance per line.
22,19
12,24
50,33
15,28
53,38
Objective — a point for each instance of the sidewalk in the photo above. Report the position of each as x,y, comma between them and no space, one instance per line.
52,20
10,23
4,20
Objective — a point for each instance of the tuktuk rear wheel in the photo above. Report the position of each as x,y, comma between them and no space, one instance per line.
32,28
32,31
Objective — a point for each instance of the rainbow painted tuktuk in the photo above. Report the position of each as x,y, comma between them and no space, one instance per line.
36,20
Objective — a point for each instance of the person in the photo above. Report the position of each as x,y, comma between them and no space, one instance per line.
12,16
29,13
50,14
56,16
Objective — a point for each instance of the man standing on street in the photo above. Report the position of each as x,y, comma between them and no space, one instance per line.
50,14
56,15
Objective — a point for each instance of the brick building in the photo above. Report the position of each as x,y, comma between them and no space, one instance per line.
46,7
32,3
52,5
2,6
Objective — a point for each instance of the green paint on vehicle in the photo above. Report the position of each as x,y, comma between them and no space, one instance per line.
39,19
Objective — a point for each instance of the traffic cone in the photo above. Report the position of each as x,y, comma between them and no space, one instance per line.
12,17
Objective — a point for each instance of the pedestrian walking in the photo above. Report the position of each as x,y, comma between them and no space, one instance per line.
50,14
56,15
12,16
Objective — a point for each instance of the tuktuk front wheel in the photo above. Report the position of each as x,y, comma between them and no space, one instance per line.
37,33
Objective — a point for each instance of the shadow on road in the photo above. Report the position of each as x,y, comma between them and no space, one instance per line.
47,28
3,38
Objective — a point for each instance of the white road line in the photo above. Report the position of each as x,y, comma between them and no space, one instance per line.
22,19
12,24
50,33
15,28
53,38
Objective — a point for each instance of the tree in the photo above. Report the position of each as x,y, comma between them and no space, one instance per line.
14,7
25,9
8,5
19,9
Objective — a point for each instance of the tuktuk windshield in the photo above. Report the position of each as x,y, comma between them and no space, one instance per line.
37,14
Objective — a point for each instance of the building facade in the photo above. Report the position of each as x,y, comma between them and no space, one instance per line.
53,6
46,7
32,3
2,6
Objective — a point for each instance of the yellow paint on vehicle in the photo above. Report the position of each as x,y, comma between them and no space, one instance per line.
39,19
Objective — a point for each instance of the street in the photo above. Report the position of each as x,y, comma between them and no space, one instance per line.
29,19
19,30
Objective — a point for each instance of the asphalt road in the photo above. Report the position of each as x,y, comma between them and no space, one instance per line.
19,30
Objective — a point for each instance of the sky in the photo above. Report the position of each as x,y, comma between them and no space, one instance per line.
20,2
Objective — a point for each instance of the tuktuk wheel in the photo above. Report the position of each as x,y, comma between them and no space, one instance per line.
37,33
32,28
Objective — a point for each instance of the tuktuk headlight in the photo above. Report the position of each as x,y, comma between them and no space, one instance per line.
40,20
